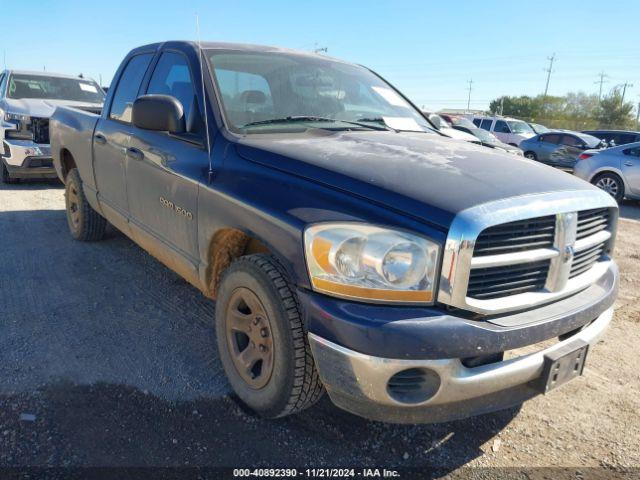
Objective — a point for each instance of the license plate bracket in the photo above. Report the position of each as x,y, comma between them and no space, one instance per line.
563,365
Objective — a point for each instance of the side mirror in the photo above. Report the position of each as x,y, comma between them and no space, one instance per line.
161,113
436,121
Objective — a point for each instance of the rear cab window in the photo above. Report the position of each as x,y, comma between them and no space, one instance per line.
128,86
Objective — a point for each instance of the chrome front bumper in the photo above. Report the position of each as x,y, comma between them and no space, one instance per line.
26,159
359,383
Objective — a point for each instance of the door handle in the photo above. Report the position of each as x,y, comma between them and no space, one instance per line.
100,139
629,164
135,154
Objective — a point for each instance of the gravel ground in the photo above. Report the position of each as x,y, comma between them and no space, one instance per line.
108,358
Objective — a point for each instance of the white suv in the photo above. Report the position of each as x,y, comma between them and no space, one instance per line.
508,130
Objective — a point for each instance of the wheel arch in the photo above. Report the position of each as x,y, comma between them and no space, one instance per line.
226,245
67,163
609,169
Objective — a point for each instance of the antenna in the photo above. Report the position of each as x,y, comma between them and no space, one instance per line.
204,97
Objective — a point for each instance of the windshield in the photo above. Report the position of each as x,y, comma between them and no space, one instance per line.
484,135
54,88
539,128
287,92
462,122
518,126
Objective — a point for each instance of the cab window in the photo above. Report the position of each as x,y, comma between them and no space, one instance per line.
128,86
172,77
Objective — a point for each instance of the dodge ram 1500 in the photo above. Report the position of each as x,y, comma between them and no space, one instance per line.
349,246
27,100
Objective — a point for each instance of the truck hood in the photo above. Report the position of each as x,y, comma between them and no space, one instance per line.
424,175
43,108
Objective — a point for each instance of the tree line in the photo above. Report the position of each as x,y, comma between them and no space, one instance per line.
573,111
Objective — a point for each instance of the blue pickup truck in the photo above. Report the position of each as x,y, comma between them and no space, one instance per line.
350,248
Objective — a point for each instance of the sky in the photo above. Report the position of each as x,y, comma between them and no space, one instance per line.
429,50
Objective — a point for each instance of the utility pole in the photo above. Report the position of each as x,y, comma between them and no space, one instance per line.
469,98
551,59
5,59
624,91
602,80
638,116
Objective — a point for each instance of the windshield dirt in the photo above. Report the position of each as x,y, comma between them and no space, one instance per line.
283,92
54,88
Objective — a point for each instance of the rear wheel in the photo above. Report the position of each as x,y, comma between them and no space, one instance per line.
6,177
530,155
85,224
262,343
610,183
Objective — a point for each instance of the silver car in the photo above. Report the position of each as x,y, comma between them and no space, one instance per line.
615,170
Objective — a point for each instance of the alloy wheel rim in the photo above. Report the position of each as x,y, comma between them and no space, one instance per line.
249,337
609,185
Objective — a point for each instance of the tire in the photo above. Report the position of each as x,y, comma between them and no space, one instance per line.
6,178
610,183
85,224
531,155
256,307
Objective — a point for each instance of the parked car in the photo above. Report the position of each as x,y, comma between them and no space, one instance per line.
615,170
615,137
559,148
445,128
508,130
537,128
488,139
457,120
27,100
387,266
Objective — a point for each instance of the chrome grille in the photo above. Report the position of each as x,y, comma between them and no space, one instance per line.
516,236
496,254
591,222
497,282
522,256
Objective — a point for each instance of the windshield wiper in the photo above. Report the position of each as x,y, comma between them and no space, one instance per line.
312,118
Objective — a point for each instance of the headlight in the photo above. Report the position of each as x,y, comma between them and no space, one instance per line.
16,118
364,262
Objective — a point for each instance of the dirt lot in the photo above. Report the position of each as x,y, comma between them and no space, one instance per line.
108,358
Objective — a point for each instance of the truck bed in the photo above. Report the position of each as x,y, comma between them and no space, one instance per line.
71,132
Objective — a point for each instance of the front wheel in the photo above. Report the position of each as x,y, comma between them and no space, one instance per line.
610,183
262,343
530,155
85,224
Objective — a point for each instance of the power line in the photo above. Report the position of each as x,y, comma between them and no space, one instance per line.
602,80
551,59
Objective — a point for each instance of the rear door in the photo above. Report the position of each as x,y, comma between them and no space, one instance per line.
631,169
111,139
162,168
570,148
547,145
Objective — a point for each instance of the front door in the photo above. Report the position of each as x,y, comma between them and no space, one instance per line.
163,172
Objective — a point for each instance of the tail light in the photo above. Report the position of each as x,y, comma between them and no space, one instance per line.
584,156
